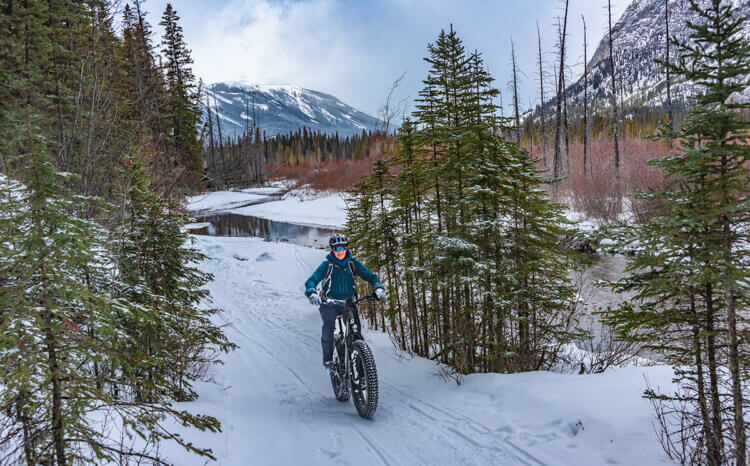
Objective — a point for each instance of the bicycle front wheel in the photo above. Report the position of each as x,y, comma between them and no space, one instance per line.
364,379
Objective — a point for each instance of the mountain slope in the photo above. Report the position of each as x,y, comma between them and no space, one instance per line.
639,40
283,108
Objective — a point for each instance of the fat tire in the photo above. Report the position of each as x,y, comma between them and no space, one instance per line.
366,408
340,385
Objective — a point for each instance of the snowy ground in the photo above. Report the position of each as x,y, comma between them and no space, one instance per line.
276,405
221,200
327,210
300,206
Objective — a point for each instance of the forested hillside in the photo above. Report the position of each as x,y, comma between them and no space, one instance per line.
252,158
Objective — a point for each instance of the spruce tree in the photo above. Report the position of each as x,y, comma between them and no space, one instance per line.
144,80
69,358
174,335
480,280
691,271
183,101
45,352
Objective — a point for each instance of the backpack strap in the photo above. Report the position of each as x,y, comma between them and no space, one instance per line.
354,278
326,280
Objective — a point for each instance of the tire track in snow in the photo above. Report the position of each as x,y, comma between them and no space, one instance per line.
449,424
455,429
311,395
302,384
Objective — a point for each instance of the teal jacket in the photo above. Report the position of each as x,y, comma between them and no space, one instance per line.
341,282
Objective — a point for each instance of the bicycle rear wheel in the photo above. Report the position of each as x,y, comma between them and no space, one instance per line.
364,379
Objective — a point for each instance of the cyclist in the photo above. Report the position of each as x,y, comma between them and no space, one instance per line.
337,273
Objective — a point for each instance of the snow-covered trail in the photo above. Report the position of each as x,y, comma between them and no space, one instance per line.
276,404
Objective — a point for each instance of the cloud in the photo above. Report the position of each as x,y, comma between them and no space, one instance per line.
354,49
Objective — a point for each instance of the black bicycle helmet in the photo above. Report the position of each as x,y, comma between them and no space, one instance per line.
338,240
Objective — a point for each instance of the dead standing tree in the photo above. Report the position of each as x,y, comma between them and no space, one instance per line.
387,112
615,114
557,162
515,92
221,146
215,180
669,89
585,99
541,98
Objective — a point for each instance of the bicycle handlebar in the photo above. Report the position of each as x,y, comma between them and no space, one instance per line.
363,299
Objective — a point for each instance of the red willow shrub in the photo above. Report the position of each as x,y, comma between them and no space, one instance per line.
336,175
597,193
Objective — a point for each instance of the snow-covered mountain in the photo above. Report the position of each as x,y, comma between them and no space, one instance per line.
639,39
283,108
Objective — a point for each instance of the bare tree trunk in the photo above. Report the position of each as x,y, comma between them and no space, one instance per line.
585,99
58,434
623,123
565,127
560,83
211,142
57,420
221,146
700,381
541,97
515,92
247,116
716,441
248,146
615,114
669,85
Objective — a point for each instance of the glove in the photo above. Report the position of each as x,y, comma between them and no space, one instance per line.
380,294
314,299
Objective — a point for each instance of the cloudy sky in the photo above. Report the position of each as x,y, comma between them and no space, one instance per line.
354,49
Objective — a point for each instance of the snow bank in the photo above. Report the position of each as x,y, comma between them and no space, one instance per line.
568,419
327,210
265,191
221,200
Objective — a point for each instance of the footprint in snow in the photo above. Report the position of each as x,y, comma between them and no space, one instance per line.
287,397
266,257
335,446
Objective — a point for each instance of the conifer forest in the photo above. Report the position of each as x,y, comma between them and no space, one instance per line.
555,243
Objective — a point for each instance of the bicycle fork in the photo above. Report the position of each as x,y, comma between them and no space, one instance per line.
344,335
350,369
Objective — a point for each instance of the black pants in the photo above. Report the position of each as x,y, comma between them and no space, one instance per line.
328,312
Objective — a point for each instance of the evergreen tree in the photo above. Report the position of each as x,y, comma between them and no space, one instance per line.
691,271
144,80
75,309
183,100
480,280
174,336
69,359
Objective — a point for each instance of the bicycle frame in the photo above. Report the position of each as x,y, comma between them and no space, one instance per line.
350,328
346,331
